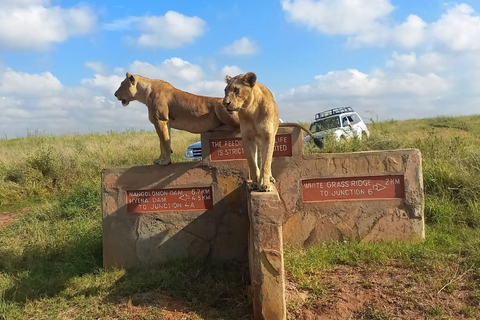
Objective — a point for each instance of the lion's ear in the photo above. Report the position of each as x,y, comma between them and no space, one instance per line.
227,78
250,78
131,78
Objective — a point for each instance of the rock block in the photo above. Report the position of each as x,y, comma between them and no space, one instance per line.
266,213
363,196
152,214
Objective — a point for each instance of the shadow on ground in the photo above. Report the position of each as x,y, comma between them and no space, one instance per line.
211,291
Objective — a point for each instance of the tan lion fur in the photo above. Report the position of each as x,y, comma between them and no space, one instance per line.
169,107
258,116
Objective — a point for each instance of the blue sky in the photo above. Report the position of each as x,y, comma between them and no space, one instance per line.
61,61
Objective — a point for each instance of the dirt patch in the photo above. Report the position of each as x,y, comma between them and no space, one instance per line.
385,292
153,305
158,305
6,218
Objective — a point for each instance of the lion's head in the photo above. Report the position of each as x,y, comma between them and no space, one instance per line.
239,91
127,90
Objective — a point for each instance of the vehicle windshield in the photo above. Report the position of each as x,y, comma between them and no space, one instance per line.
325,124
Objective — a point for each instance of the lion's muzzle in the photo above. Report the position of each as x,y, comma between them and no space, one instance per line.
228,106
124,101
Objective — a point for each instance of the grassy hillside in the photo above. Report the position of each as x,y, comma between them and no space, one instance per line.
437,279
50,256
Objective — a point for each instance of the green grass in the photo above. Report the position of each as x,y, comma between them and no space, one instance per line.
51,256
39,167
371,312
451,175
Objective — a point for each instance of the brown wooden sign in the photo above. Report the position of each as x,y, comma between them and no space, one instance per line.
175,199
353,188
232,148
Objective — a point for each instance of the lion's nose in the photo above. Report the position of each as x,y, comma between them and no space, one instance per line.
115,94
226,103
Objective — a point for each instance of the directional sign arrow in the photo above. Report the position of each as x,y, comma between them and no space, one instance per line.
379,187
184,197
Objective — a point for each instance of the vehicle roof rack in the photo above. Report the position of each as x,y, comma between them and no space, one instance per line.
332,112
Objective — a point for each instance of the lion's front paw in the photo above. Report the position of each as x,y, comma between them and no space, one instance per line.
162,162
265,188
252,186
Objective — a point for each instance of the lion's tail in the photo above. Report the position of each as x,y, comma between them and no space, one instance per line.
317,141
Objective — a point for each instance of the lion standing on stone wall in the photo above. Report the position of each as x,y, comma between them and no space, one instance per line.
169,107
258,115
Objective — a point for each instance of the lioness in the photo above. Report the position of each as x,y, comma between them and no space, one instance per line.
169,107
258,116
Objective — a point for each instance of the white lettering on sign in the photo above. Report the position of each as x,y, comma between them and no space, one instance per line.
232,148
375,187
217,144
174,199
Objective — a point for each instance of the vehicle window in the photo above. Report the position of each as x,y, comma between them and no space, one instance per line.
325,124
355,118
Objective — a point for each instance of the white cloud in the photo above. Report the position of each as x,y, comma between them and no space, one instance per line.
428,62
364,22
369,23
23,2
402,61
97,67
411,33
231,71
350,82
241,47
31,102
458,29
176,70
107,84
184,75
24,84
170,31
428,85
36,25
337,16
407,87
213,88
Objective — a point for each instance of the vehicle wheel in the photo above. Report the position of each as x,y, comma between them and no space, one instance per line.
343,138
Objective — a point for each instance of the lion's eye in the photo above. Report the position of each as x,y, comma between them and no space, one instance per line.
235,90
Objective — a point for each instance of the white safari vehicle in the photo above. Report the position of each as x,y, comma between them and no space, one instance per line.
341,123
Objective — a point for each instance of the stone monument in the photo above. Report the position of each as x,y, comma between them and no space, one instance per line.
202,210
